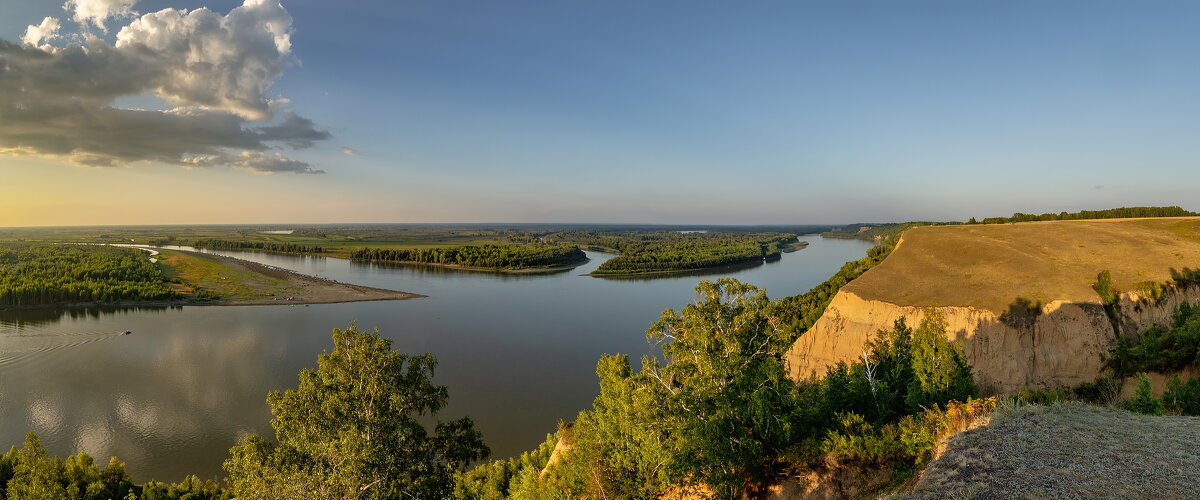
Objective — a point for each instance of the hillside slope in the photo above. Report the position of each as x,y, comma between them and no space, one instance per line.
1069,450
1018,297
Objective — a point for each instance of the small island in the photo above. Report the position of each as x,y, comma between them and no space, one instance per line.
667,252
523,259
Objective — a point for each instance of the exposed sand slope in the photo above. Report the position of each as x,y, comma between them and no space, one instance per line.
1069,450
976,277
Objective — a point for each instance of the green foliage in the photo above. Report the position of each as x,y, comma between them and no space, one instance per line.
622,447
30,473
668,251
871,410
1104,288
1143,401
1182,397
510,478
1113,213
940,369
1104,390
261,246
1151,290
353,429
1156,350
489,256
730,404
191,488
56,274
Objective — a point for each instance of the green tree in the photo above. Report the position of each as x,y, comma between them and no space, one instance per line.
1143,400
352,430
730,402
940,369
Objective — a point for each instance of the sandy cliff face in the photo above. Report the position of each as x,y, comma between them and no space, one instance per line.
1061,345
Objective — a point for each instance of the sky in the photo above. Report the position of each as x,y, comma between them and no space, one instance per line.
675,112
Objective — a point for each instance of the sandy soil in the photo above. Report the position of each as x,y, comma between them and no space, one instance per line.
301,288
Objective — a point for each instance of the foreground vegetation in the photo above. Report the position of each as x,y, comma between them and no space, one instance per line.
500,257
62,274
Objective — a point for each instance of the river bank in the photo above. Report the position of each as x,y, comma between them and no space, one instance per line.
243,282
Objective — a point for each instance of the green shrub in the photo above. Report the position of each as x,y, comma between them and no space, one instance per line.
1143,401
1182,397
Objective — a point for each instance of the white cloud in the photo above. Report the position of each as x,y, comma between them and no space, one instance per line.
96,12
45,32
212,70
350,151
223,62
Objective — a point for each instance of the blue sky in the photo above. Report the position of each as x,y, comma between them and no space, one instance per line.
695,112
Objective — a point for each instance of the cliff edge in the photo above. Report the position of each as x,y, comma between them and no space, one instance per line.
1018,297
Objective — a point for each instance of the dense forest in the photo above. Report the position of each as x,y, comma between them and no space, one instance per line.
1112,213
262,246
505,257
667,251
58,274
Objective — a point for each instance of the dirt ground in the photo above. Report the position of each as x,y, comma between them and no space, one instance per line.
990,266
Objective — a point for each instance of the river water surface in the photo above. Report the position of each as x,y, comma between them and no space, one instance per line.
518,353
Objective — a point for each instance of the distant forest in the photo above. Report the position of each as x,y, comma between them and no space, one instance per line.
1112,213
484,256
57,274
876,231
264,246
667,251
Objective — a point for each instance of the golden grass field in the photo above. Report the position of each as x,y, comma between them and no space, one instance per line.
990,266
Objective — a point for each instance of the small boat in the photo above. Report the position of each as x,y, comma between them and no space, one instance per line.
127,332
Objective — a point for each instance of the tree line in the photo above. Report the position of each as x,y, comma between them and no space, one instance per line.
1112,213
665,251
262,246
486,256
53,274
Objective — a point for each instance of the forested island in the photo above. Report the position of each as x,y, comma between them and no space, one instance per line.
262,246
60,274
675,251
509,258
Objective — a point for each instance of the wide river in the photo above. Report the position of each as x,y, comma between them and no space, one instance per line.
518,353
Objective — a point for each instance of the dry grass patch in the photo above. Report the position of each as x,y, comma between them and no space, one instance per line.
1069,450
991,266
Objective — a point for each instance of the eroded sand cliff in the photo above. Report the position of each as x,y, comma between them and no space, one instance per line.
1017,297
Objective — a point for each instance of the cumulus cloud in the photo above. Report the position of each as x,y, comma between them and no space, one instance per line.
45,32
350,151
212,70
96,12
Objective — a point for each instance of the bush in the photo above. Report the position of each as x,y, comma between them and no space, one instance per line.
1182,397
1143,401
1104,390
